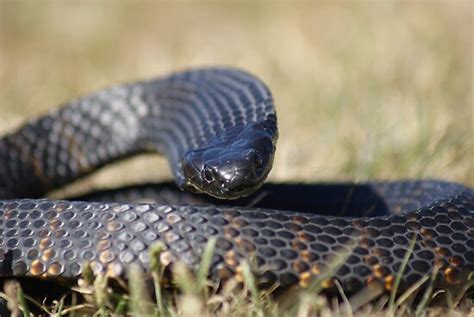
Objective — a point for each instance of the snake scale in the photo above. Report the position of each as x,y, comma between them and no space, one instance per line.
218,129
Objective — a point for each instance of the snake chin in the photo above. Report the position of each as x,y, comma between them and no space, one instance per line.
232,168
224,193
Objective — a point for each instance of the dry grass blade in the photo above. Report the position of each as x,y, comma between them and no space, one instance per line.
190,303
310,305
83,309
347,304
184,278
305,306
11,296
249,282
140,301
73,304
58,311
16,301
101,295
157,271
411,290
365,295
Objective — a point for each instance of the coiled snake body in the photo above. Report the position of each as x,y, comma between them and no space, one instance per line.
217,126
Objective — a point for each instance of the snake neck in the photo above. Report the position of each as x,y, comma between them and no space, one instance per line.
209,110
172,115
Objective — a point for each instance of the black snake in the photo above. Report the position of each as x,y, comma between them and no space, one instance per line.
218,129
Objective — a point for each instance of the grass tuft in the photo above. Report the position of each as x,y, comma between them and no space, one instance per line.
140,300
188,297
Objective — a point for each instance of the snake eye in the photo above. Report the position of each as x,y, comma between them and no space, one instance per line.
207,174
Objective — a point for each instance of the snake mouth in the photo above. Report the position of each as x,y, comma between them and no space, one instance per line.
234,188
223,192
244,191
235,193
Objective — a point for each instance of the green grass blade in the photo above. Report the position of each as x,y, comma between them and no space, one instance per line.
206,261
22,302
428,292
121,307
398,278
60,307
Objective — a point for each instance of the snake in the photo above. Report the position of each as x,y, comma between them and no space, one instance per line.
217,126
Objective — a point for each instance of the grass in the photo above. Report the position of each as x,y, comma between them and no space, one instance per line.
364,90
193,295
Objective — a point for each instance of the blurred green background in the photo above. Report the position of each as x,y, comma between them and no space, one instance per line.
366,90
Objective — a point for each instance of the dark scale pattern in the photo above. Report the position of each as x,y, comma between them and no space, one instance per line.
55,238
70,142
202,110
171,115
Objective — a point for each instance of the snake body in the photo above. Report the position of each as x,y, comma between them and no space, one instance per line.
218,129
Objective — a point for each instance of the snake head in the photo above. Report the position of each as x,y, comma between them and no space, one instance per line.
235,166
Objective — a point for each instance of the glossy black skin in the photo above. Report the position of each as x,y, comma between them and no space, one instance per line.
54,239
218,128
197,110
235,166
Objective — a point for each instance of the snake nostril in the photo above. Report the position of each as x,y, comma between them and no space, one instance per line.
258,162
